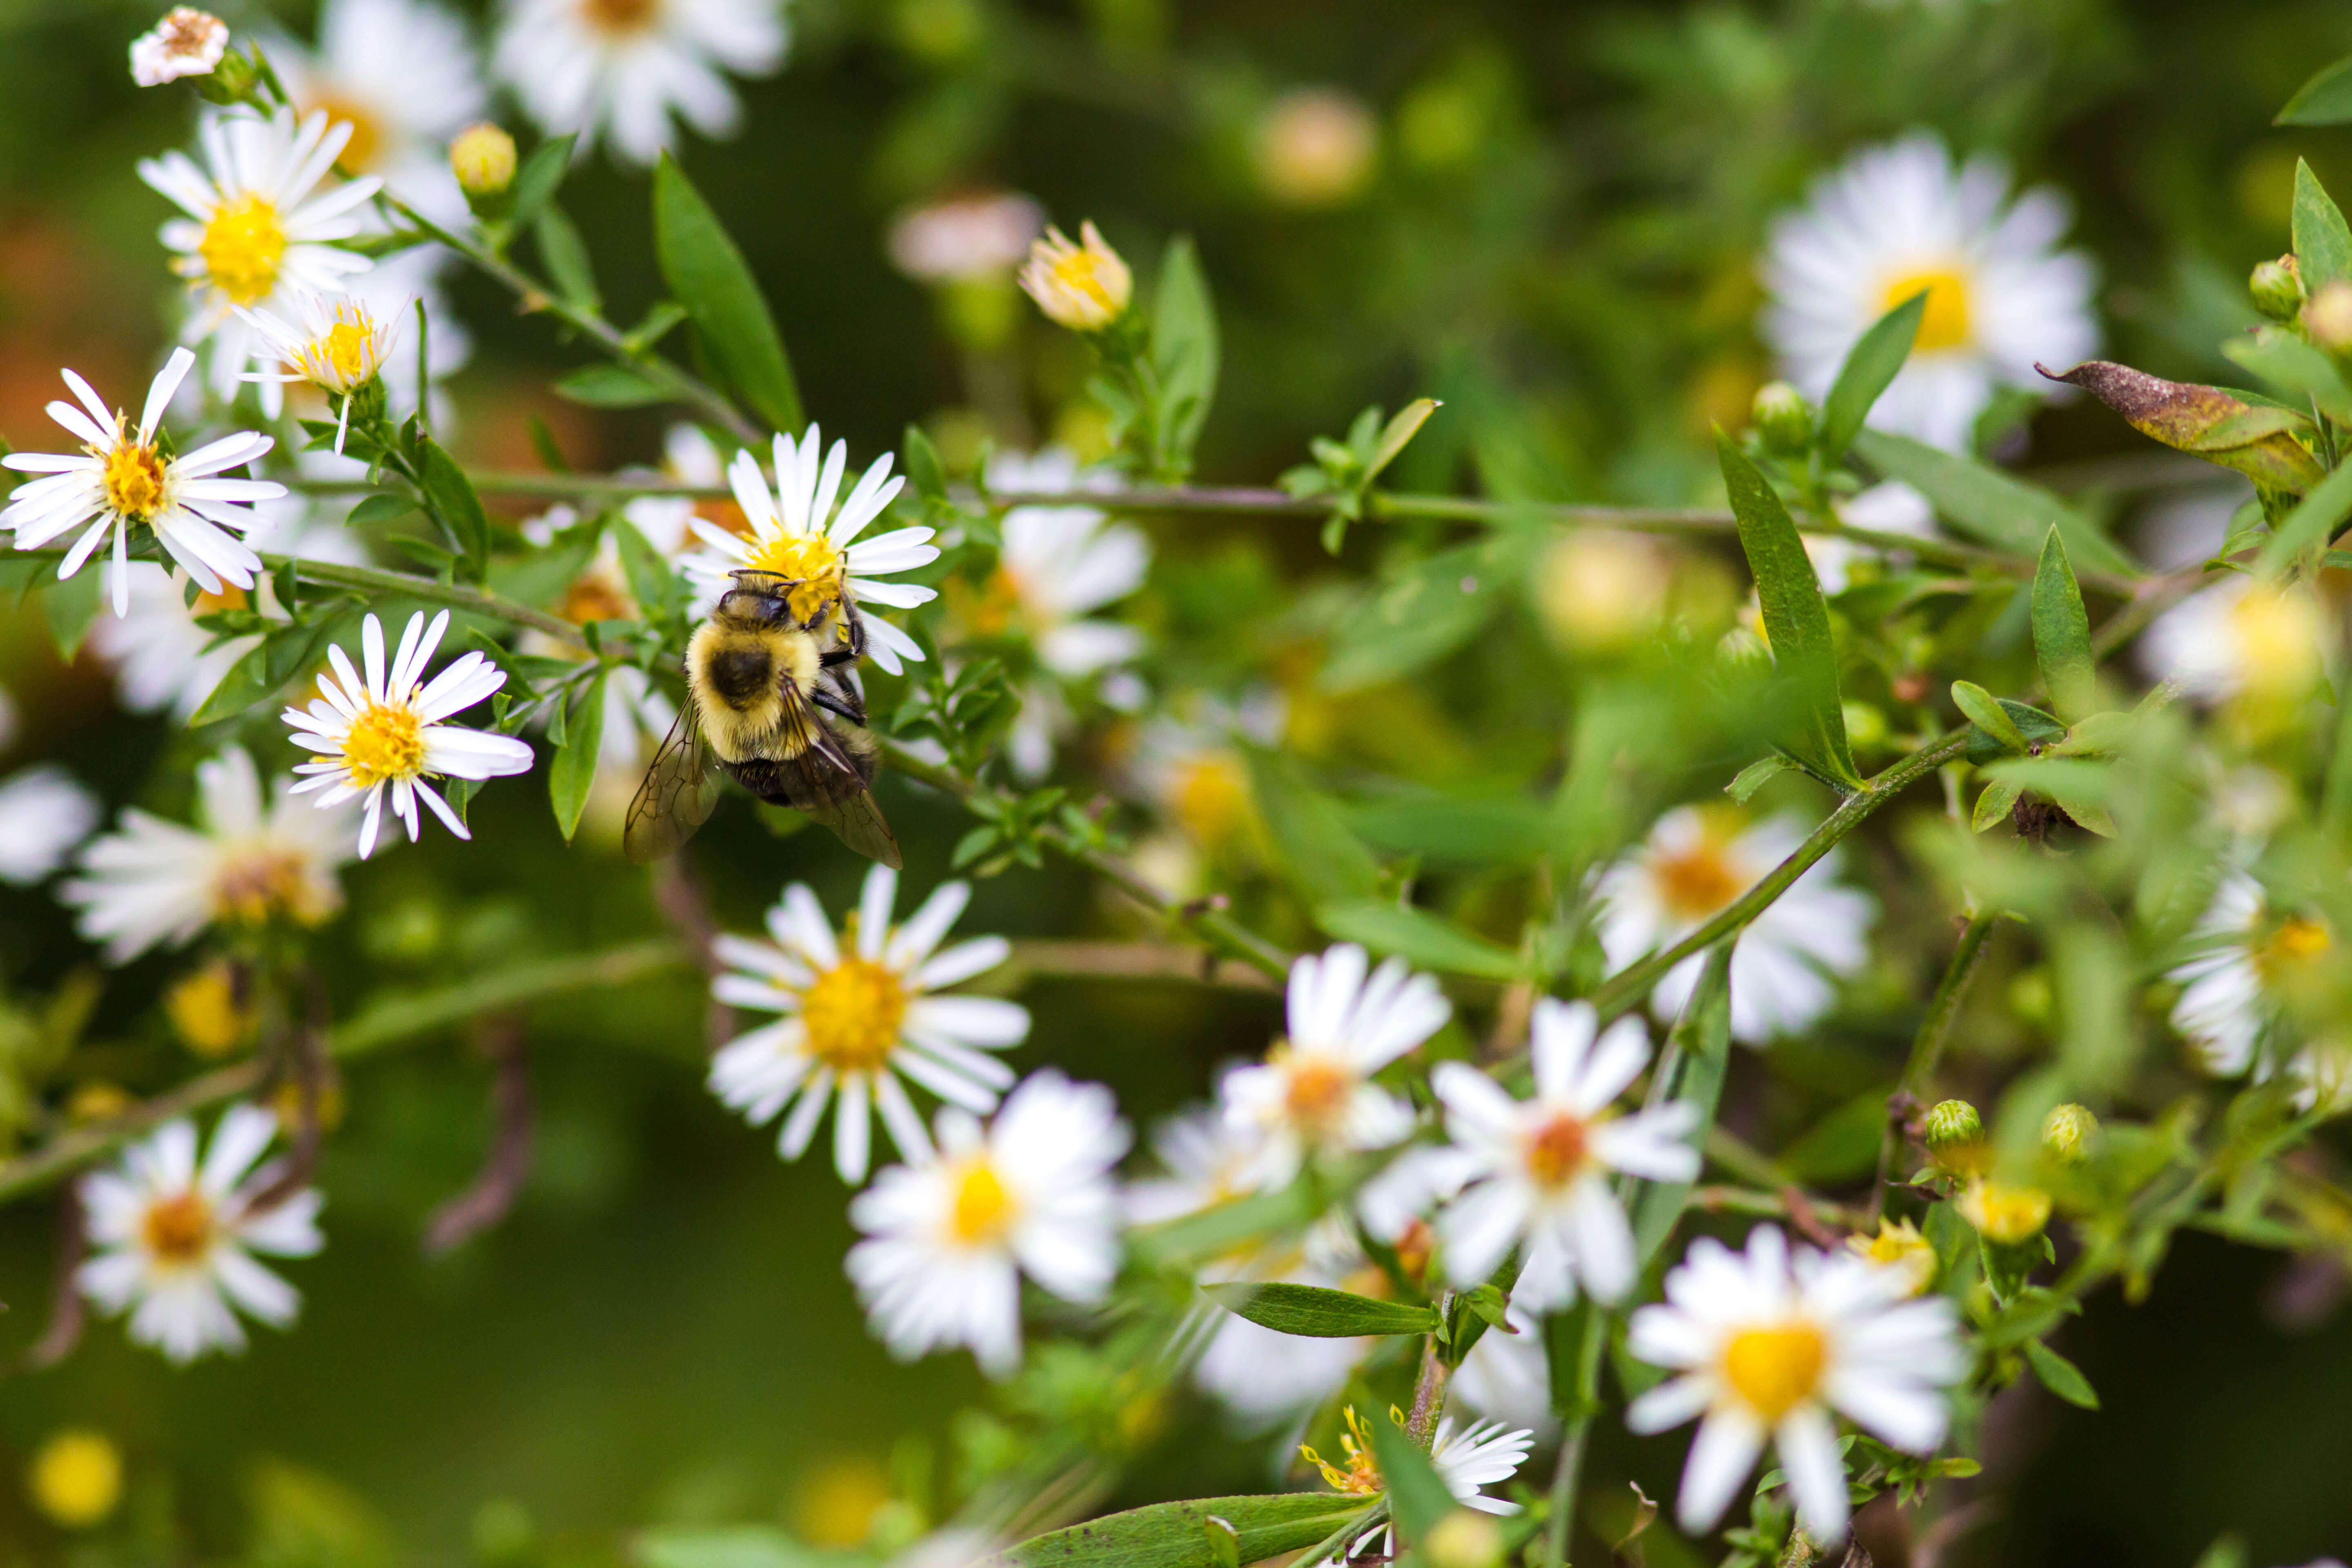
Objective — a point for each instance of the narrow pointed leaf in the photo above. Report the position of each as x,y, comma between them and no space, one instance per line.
712,281
2324,99
540,176
2038,728
1184,353
2062,634
2060,1376
1870,367
1313,1313
1399,430
2295,368
2203,420
1172,1534
1986,713
2323,245
73,604
450,495
574,768
1999,508
1325,861
1993,807
1418,1495
1796,618
2312,522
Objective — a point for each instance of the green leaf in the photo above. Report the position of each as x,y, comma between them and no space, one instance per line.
1310,1311
1422,612
2312,522
922,464
566,255
1225,1541
2079,787
1756,775
374,510
1843,1146
1171,1534
574,768
450,495
2323,245
1988,715
2038,728
264,671
1872,363
610,386
2297,369
2324,99
1796,619
1993,807
2213,424
1418,1495
73,604
538,178
1997,509
1184,356
1321,857
2062,634
2060,1376
1222,1226
1698,1053
1458,830
653,581
1419,937
731,320
1399,430
741,1546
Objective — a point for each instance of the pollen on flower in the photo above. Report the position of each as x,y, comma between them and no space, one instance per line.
1697,881
212,1010
1314,1088
1361,1476
852,1015
178,1229
620,17
134,480
809,561
1943,324
384,743
1773,1370
2291,948
983,1209
1557,1150
2005,1214
242,248
253,888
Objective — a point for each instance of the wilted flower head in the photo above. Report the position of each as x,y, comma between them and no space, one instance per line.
187,42
1084,287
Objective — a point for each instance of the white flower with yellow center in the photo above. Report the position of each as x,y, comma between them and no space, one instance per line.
249,861
174,1241
1695,862
948,1238
2242,638
337,346
389,731
1540,1169
1767,1347
403,76
1188,763
2253,958
187,42
858,1013
1084,287
1314,1093
1897,221
258,226
44,812
796,533
125,476
621,67
1467,1460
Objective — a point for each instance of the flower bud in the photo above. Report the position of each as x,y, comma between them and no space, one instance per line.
1783,418
2067,1132
483,159
76,1480
1316,148
1084,287
1464,1540
2277,289
188,42
2005,1214
1953,1124
2327,317
1899,1246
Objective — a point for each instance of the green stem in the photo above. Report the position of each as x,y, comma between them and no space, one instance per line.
1927,1048
1575,1426
457,597
1428,1388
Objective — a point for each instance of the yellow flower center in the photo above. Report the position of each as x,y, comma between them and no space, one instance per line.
983,1210
1081,272
242,248
1943,324
1559,1150
230,597
134,480
347,353
597,597
1699,881
367,143
1898,1245
852,1015
255,886
178,1229
211,1010
2292,947
620,19
807,560
1361,1476
1774,1370
1316,1087
384,743
995,609
1211,799
77,1478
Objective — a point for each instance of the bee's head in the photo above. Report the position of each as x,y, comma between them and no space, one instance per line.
759,598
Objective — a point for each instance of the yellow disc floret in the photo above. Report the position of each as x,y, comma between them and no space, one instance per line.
1943,324
808,562
243,247
1557,1151
852,1015
1361,1476
983,1210
1316,1087
1774,1369
384,743
134,480
178,1229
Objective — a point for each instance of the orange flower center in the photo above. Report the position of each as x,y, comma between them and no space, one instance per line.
367,143
1697,882
620,17
253,888
1559,1150
596,597
1317,1087
1774,1370
179,1229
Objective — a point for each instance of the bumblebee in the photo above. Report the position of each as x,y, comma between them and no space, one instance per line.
774,700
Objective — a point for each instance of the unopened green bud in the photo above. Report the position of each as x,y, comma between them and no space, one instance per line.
1783,418
2327,317
1464,1540
2067,1132
2277,289
483,159
1952,1124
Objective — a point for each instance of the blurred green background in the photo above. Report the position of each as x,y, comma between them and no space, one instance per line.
1557,237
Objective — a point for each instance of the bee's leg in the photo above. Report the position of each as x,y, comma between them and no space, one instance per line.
854,648
836,705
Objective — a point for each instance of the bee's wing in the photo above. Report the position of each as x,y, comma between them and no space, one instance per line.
680,793
825,780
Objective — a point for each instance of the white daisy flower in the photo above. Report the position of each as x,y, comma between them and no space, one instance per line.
1314,1093
174,1241
390,293
1541,1167
982,235
2232,991
390,729
1206,1160
121,477
336,346
947,1237
2240,638
1899,219
258,227
248,861
403,76
797,534
1695,861
44,812
1467,1460
621,67
857,1015
1768,1346
187,42
1188,764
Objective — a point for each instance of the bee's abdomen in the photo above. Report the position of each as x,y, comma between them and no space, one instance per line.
742,675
